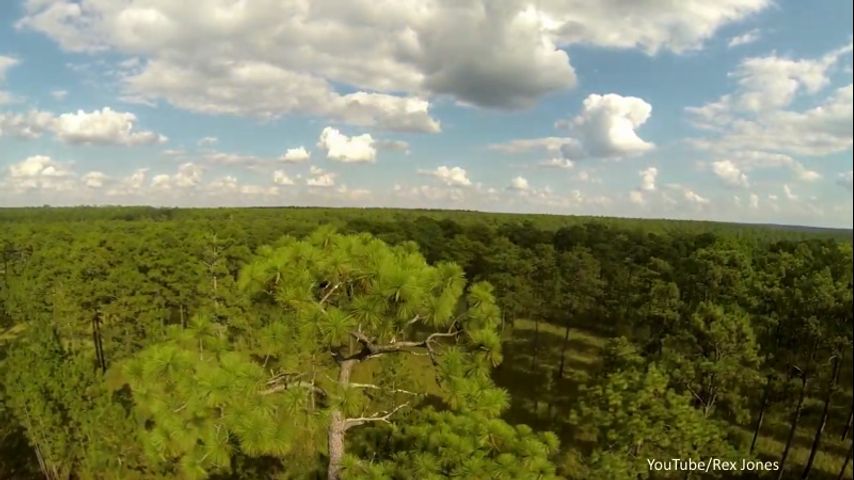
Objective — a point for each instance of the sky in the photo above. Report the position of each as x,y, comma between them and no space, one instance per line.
733,110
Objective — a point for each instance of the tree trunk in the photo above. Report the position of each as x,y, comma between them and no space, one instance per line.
761,416
848,425
98,343
796,417
847,460
338,427
831,387
536,343
563,352
335,442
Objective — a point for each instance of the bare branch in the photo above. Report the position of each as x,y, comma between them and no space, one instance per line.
331,290
377,387
377,417
281,387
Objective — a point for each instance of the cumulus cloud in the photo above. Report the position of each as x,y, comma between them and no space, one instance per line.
320,178
6,63
519,184
744,39
607,123
103,127
207,141
99,127
393,145
648,178
295,155
280,177
637,197
758,117
754,201
693,197
773,81
188,175
789,194
846,180
604,128
290,57
29,125
562,163
450,176
94,179
525,145
730,174
340,147
38,172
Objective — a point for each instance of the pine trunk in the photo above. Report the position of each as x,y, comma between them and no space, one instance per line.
831,387
848,425
847,461
796,417
761,417
563,352
338,427
534,364
335,443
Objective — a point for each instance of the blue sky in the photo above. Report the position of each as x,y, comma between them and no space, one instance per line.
737,110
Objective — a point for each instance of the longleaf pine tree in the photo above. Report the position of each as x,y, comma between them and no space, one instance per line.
333,313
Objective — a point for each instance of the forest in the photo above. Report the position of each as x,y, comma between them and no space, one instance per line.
307,343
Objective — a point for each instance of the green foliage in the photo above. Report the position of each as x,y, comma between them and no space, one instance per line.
436,445
168,343
633,414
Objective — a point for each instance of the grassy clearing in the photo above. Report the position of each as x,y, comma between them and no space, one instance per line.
540,400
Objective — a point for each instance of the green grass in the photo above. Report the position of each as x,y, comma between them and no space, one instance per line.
526,379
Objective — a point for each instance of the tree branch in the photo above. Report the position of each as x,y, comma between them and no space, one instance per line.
330,292
377,387
377,417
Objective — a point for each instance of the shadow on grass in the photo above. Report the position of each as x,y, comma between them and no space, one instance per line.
538,397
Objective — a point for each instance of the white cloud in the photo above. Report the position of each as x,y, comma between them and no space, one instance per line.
789,194
103,127
393,145
605,128
524,145
773,81
694,197
744,39
846,180
59,94
730,174
207,141
189,175
38,172
280,177
6,63
130,185
648,178
563,163
100,127
28,125
269,58
94,179
636,197
754,201
607,123
450,176
320,178
519,184
295,155
340,147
